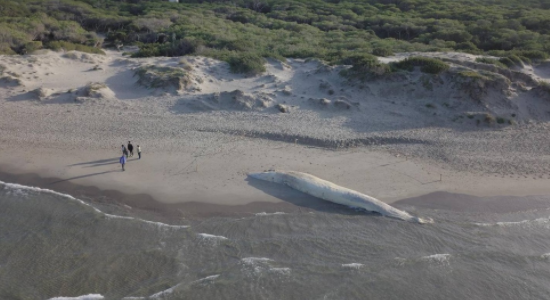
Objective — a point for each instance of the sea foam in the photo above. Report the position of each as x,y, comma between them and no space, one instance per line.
270,214
437,258
84,297
20,187
211,236
352,266
538,221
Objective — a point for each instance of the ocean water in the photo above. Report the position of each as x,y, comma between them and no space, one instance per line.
54,246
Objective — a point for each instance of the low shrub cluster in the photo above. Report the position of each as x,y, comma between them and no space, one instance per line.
426,64
382,51
364,66
162,77
246,63
68,46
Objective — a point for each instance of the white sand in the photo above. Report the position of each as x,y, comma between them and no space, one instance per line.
199,143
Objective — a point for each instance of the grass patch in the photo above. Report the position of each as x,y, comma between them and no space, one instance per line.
96,86
92,88
489,118
491,61
472,75
426,64
515,61
185,65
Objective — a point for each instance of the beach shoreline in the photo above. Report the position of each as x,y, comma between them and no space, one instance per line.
200,143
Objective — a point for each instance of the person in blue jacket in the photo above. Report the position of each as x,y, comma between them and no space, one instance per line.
123,161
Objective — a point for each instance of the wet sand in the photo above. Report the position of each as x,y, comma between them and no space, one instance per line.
146,207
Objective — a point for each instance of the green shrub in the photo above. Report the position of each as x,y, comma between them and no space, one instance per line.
426,64
246,63
382,51
6,50
30,47
467,46
68,46
531,54
176,48
365,64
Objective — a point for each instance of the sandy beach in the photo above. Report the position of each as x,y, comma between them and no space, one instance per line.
391,139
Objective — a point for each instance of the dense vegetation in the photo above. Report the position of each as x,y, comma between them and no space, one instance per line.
244,31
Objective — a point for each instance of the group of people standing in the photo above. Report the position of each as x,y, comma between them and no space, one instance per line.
129,152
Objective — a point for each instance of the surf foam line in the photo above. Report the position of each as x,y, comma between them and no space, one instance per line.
84,297
211,236
163,294
518,223
329,191
37,189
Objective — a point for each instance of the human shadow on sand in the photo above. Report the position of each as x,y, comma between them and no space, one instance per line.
304,200
83,176
101,162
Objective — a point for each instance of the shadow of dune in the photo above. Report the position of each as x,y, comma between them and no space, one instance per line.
124,85
82,176
27,96
303,200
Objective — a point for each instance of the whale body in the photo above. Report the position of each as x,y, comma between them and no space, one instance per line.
329,191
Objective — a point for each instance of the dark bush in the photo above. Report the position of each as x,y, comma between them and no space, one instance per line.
30,47
366,63
177,48
246,63
382,52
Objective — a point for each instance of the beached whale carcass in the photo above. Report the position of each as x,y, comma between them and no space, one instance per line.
329,191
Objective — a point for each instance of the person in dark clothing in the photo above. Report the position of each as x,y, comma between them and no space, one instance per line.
131,148
122,162
124,151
